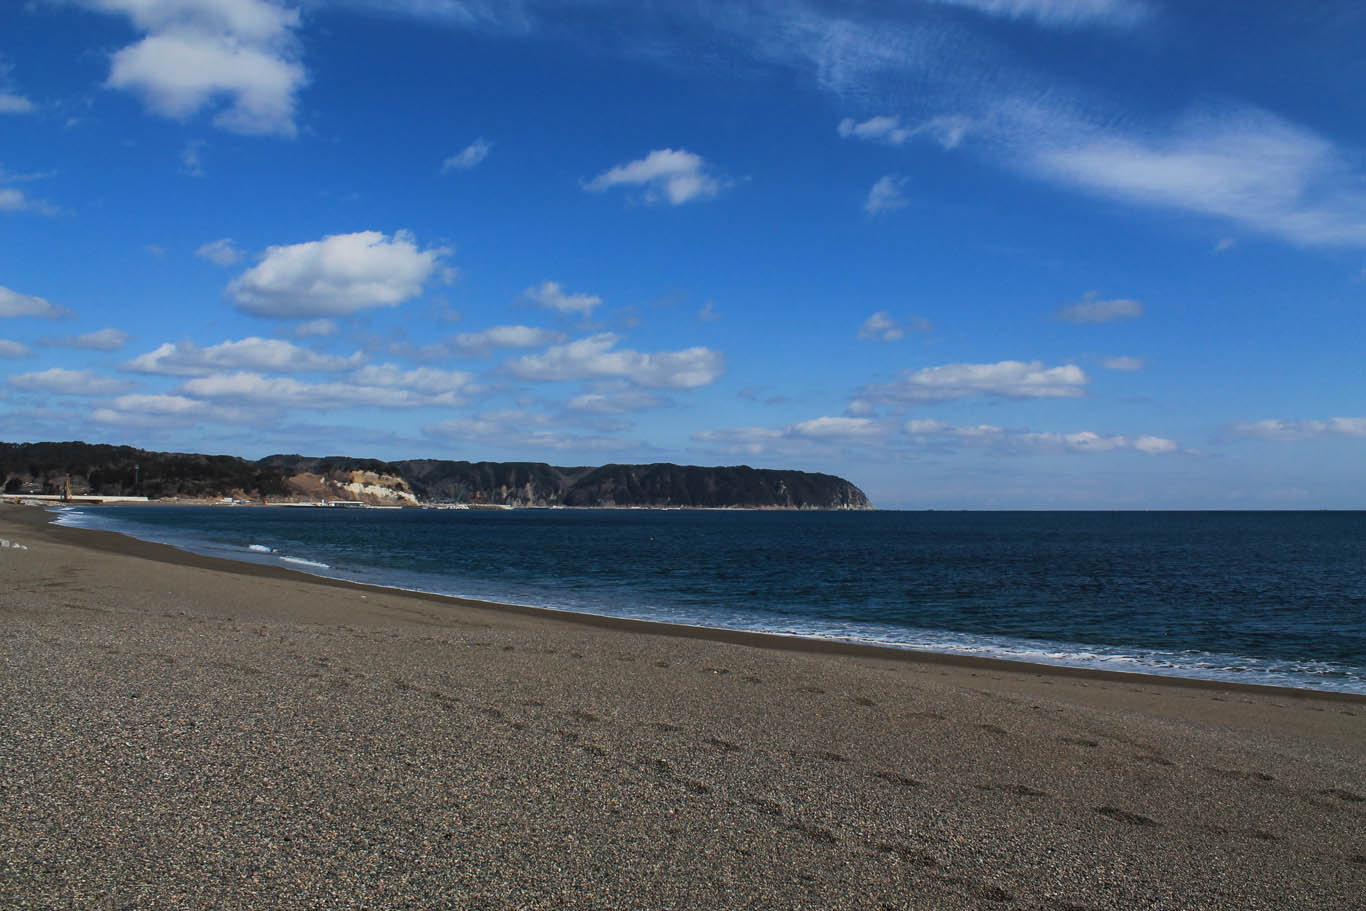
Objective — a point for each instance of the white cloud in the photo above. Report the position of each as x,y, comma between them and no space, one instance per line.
14,304
1240,164
989,435
252,353
472,155
190,161
1118,13
882,127
235,55
523,430
882,328
828,428
675,176
1090,309
594,358
11,103
1273,429
374,387
708,312
7,176
1123,362
10,348
1155,445
316,328
99,340
168,411
818,434
1008,379
551,296
742,440
947,130
59,381
886,195
12,200
503,337
220,252
615,401
336,276
424,380
1225,244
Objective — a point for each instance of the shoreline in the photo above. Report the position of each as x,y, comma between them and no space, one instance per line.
185,731
120,543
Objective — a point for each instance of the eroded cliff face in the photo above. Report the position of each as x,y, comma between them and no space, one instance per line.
370,487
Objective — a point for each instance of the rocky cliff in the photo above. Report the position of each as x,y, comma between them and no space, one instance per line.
124,471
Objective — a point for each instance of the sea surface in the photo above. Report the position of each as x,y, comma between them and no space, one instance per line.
1251,597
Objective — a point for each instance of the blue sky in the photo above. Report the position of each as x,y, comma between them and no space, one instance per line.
965,253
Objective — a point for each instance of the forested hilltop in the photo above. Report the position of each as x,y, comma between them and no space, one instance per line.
103,470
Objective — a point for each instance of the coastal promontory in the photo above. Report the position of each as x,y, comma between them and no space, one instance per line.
104,470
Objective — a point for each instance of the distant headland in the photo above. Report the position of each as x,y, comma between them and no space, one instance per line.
76,469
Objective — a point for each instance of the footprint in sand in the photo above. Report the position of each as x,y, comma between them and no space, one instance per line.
819,833
1133,819
1342,794
914,855
1239,774
1080,741
1023,790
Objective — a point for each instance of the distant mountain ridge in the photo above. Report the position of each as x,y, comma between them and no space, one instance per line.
105,470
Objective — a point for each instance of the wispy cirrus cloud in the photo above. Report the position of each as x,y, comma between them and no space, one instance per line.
1062,13
221,252
469,157
1230,162
886,195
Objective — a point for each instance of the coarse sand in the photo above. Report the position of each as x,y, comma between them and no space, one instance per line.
184,732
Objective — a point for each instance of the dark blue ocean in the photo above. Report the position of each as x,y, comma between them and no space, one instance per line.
1253,597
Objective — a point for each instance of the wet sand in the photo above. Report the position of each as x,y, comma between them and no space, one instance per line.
183,732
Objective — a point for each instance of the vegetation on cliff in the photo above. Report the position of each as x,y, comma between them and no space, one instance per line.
102,470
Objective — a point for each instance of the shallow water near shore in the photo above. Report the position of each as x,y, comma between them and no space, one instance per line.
1246,597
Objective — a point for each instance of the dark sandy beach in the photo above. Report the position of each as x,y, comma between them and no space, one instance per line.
181,732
